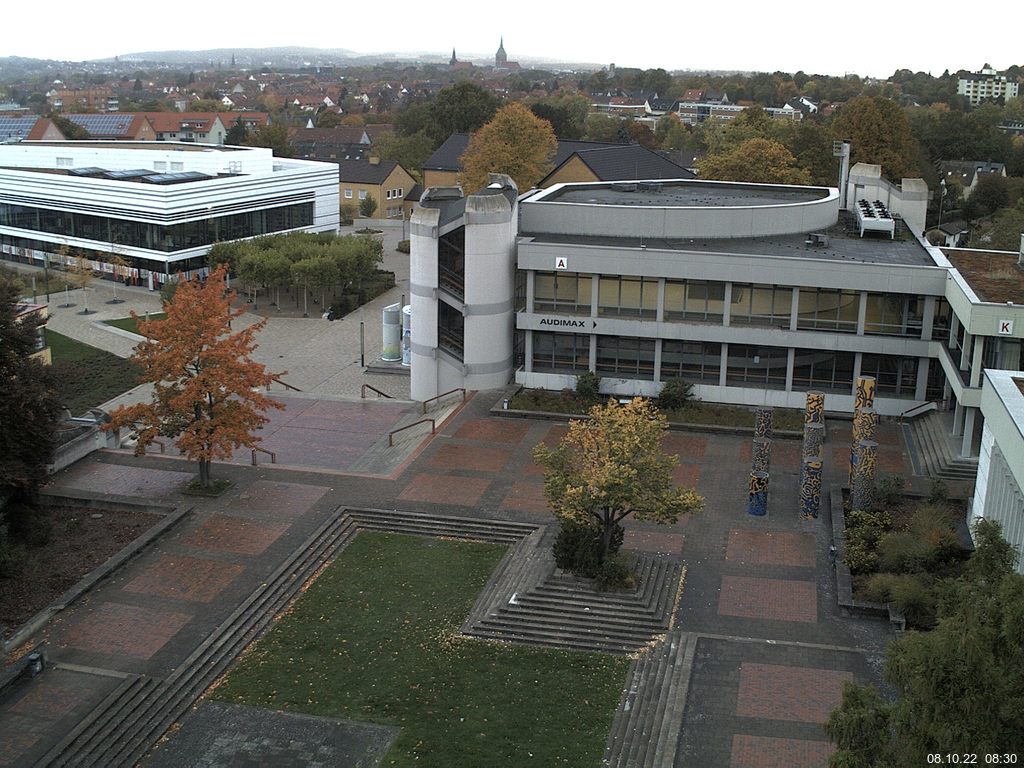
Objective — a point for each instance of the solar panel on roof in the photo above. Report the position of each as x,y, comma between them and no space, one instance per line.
175,178
129,174
110,125
92,171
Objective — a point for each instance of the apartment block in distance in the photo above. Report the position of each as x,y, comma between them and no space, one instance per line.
987,85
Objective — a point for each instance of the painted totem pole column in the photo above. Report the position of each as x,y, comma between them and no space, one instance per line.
863,481
760,455
814,439
865,393
810,486
864,422
815,408
758,502
764,421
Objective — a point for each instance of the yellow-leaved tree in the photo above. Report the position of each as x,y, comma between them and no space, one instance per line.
762,161
516,142
610,466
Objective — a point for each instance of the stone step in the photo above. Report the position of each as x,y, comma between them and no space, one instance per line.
94,741
527,637
672,717
576,620
366,516
205,665
498,532
540,604
655,595
134,733
523,566
512,622
644,737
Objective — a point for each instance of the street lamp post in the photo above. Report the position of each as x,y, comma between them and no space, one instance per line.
942,198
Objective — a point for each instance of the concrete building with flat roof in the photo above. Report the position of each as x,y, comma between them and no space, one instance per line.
999,490
754,293
157,207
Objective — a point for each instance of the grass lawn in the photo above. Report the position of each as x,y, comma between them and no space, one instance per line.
129,324
696,412
86,376
375,638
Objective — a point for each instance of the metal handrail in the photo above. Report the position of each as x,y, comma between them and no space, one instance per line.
394,432
922,405
362,392
271,454
285,384
445,394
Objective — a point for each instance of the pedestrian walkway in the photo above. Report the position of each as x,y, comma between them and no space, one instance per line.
760,650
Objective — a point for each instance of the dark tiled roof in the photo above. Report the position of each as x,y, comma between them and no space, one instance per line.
448,157
414,194
364,172
629,162
342,134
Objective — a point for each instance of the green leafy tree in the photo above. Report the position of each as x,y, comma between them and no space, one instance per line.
367,207
236,134
755,160
274,136
599,127
72,131
461,108
961,683
611,466
516,142
1002,232
411,152
29,407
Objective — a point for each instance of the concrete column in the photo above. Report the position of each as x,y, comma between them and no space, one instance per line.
760,454
794,313
661,301
810,486
814,439
858,358
958,419
864,392
979,353
928,321
528,351
864,422
954,328
790,362
921,390
657,358
727,307
593,353
862,312
531,275
757,502
815,413
966,351
595,282
967,444
725,361
764,420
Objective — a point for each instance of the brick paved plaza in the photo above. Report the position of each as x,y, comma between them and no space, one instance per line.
772,650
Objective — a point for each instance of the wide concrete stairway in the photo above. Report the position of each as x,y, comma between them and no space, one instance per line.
530,601
645,732
124,727
935,450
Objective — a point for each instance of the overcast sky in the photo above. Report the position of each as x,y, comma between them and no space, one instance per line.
868,38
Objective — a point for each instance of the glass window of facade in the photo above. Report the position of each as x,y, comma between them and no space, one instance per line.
691,360
625,357
754,366
627,297
827,370
941,320
561,352
895,376
564,292
694,300
766,305
828,309
450,329
893,314
155,237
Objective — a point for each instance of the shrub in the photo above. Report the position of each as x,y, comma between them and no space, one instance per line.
932,524
889,492
578,547
675,394
939,493
403,246
615,573
347,212
878,588
914,598
904,552
588,385
864,528
168,289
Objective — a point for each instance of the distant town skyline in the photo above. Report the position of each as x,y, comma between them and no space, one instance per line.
790,36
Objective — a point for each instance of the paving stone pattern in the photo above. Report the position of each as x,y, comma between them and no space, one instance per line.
758,607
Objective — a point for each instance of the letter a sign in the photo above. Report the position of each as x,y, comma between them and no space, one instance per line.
1005,327
561,262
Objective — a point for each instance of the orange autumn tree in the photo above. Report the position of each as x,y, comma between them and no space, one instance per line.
205,386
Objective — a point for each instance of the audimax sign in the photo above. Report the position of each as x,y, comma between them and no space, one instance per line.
563,322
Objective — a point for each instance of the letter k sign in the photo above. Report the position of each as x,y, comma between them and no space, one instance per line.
561,262
1005,327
